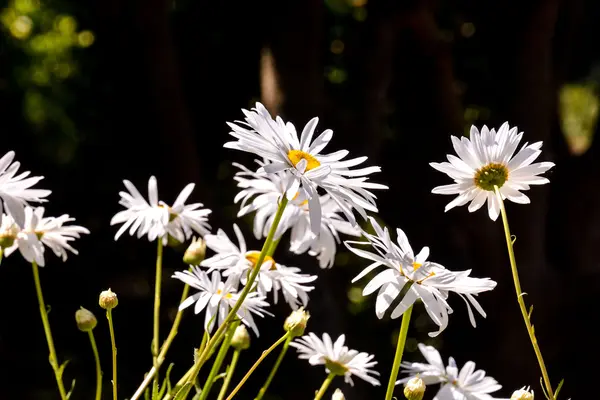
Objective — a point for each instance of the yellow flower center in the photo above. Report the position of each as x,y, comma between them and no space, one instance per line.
428,276
296,156
416,265
226,295
253,258
491,175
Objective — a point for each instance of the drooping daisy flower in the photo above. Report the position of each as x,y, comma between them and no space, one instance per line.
429,281
15,191
468,384
278,143
219,297
336,357
260,193
157,219
525,393
488,159
237,263
8,232
39,231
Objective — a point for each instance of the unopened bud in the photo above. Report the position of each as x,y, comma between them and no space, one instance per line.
241,338
296,322
195,252
414,389
522,394
86,321
338,395
108,299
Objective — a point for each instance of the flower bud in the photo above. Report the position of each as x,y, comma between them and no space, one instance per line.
86,321
172,242
414,389
522,394
241,338
338,395
108,299
195,252
8,234
296,322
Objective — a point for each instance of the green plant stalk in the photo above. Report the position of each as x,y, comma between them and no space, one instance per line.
265,387
155,336
165,347
221,330
44,314
214,371
113,346
522,307
257,363
324,386
98,368
399,351
273,247
230,370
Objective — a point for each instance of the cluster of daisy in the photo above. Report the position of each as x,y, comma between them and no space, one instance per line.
299,188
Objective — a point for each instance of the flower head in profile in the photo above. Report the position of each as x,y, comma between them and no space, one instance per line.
303,158
218,297
157,219
236,262
336,357
490,159
260,194
16,191
525,393
468,384
39,232
427,280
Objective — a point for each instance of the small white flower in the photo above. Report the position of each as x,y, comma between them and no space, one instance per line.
260,193
39,231
468,384
218,298
488,159
338,395
237,263
155,218
525,393
8,231
15,191
278,142
429,281
336,357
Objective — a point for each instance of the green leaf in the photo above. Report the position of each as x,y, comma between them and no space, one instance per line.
544,389
183,392
166,385
61,369
72,388
560,385
147,394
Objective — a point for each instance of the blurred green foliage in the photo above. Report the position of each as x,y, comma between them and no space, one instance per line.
578,107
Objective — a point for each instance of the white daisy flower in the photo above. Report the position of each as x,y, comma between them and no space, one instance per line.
429,281
488,159
468,384
525,393
260,193
336,357
156,218
237,263
8,232
39,231
278,143
15,191
219,297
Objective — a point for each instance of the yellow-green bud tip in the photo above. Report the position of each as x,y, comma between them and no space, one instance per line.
414,389
195,252
86,321
108,299
522,394
338,395
241,338
296,322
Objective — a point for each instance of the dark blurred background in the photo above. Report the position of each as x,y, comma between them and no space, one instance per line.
95,92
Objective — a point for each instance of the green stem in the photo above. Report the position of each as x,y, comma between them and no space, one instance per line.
155,337
98,368
44,314
273,247
284,349
221,330
165,347
324,386
399,352
230,370
257,363
113,346
218,361
522,307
